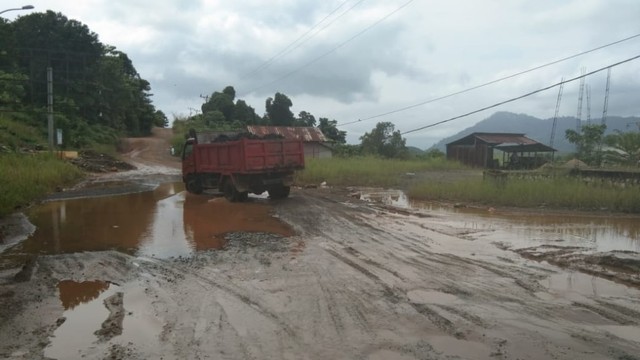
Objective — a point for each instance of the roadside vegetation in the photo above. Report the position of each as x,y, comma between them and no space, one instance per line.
25,177
369,170
561,192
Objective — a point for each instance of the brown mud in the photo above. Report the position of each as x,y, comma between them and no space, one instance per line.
324,275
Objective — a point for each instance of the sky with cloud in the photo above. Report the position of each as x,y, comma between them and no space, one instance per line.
356,59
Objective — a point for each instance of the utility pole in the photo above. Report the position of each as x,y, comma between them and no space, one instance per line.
205,97
50,106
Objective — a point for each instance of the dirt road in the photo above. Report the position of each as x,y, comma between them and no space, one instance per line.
357,280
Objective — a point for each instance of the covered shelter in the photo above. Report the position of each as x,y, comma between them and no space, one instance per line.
316,144
518,151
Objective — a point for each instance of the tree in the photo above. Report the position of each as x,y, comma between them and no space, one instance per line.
384,141
221,101
588,142
627,148
279,110
305,119
330,130
230,92
245,114
160,119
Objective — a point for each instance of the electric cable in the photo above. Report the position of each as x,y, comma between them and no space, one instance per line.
522,96
282,52
490,82
332,49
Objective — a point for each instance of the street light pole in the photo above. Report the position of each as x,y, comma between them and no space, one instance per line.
26,7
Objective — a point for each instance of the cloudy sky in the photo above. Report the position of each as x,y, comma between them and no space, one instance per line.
356,59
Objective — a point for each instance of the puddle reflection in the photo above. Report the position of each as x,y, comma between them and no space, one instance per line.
73,293
596,232
165,222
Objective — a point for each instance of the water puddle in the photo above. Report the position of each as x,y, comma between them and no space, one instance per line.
89,325
586,285
165,222
73,293
599,233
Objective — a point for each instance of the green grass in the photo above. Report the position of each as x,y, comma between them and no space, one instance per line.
561,192
366,171
26,177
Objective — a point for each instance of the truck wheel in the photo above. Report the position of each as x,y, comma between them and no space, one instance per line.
230,192
243,196
194,186
279,192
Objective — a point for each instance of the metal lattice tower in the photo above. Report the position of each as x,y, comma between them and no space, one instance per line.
588,104
555,115
606,98
580,96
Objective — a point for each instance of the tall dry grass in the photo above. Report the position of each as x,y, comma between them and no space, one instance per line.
25,177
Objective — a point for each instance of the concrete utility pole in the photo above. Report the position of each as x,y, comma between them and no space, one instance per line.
50,106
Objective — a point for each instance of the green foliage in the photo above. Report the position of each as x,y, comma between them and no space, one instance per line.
432,154
330,129
94,85
28,177
384,141
11,90
221,102
347,150
305,119
279,110
366,171
561,192
16,135
627,148
588,142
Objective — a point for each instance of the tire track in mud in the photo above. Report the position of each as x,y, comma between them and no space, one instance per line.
617,314
208,284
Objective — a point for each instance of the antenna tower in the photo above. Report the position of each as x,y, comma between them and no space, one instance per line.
580,96
555,115
606,98
588,88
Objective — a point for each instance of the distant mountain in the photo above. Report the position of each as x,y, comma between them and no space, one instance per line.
415,151
537,129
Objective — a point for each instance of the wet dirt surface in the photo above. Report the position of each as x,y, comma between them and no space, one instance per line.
326,274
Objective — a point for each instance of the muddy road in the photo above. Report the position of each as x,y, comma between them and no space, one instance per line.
145,270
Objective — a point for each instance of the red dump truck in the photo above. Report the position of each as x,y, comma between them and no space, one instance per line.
239,165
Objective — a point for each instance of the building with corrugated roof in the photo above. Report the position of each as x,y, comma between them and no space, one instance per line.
518,151
316,144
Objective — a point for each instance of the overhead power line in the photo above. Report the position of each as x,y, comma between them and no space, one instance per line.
284,50
332,49
490,82
522,96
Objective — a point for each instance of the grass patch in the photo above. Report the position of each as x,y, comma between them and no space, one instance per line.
367,171
560,192
26,177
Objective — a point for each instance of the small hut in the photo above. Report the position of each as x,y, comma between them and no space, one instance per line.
518,151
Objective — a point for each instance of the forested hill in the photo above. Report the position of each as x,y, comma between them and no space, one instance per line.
537,129
97,92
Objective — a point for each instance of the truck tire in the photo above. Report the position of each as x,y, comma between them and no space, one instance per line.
279,192
232,194
194,185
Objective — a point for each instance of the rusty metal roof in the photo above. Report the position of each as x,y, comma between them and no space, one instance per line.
306,134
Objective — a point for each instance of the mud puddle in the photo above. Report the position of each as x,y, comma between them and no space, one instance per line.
598,233
163,223
100,316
